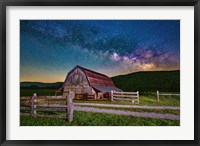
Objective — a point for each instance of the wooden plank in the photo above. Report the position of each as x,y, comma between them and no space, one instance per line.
169,94
125,96
123,99
138,97
33,104
52,106
158,98
112,95
70,106
129,96
125,92
50,97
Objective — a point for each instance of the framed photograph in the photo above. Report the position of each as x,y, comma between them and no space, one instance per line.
99,72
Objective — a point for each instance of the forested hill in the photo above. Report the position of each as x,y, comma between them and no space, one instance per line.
40,85
166,81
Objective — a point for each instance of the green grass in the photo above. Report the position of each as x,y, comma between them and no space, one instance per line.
151,100
96,119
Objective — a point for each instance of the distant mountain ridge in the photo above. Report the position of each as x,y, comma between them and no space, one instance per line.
40,84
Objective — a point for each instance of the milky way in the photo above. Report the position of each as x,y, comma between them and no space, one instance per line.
50,48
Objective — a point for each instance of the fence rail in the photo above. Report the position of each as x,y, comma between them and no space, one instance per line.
69,106
128,96
164,94
131,96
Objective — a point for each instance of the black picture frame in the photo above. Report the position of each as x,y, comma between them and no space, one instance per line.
5,3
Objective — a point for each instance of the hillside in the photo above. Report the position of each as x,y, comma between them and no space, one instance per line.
40,85
166,81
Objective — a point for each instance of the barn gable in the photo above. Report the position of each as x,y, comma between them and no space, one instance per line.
76,77
85,81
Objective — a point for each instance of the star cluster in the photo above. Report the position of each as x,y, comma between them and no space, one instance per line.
50,48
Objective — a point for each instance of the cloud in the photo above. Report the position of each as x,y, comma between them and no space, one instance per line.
115,57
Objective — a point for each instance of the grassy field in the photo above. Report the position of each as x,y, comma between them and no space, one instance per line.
159,111
96,119
146,99
149,100
164,100
100,119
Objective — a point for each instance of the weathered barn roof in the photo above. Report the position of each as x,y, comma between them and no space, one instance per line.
106,88
96,80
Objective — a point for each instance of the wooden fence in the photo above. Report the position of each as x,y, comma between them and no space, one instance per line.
164,94
37,105
130,96
69,107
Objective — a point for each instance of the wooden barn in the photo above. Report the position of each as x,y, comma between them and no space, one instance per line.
88,83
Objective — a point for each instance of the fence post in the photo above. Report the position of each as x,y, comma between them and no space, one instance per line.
86,96
138,97
33,104
112,95
158,99
70,106
47,102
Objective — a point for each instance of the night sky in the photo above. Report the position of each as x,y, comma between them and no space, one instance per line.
51,48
